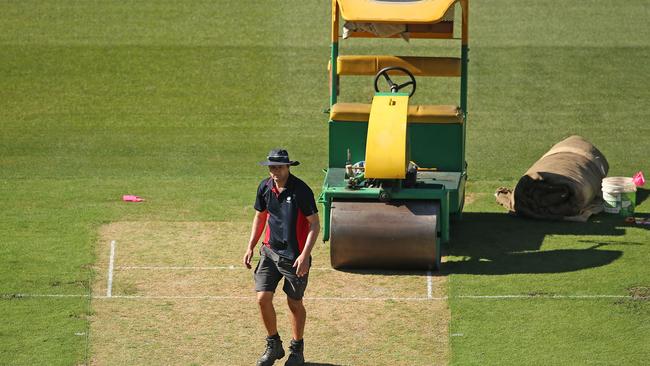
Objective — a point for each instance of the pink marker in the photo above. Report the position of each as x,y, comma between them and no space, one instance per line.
638,179
131,198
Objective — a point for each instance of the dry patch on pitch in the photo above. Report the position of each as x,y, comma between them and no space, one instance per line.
229,332
471,197
179,295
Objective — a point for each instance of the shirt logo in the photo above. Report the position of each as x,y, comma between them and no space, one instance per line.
289,199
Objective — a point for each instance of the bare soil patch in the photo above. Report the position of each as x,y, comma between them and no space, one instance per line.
471,197
352,319
640,292
229,332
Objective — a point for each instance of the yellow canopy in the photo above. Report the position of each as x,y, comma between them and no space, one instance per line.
394,11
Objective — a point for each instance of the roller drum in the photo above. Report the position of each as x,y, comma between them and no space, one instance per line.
379,235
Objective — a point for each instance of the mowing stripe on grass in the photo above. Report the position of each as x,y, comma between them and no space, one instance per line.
109,287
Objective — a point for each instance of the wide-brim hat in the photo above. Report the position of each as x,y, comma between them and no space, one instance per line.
278,157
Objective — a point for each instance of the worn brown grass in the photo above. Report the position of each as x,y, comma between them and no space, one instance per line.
471,197
352,319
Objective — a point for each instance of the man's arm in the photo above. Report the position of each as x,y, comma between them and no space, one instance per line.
302,262
259,221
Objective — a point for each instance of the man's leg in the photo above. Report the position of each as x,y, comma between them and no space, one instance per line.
274,350
294,287
265,302
298,317
267,277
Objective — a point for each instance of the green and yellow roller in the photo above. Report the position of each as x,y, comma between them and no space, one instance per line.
396,171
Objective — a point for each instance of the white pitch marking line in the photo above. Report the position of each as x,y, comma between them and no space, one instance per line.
164,268
146,297
429,285
207,297
19,296
199,268
109,287
544,296
171,297
376,298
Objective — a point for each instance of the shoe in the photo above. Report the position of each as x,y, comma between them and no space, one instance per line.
274,351
296,357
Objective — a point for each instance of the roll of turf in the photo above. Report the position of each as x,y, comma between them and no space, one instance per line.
565,183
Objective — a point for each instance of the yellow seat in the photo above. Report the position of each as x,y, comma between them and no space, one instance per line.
419,66
360,112
423,11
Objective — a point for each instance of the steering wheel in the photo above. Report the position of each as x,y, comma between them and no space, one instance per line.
394,88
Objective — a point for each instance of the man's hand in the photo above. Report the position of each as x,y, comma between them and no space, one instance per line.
248,256
259,221
303,261
301,265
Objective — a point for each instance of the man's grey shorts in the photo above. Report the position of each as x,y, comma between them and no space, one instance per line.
270,270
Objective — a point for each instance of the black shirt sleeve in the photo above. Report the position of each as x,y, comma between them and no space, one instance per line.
306,201
260,199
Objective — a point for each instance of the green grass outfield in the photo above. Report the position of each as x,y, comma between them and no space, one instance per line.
177,103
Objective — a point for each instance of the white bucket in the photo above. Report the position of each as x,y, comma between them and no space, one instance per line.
619,195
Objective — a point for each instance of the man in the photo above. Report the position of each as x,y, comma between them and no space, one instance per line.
287,205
